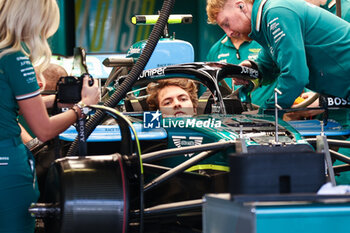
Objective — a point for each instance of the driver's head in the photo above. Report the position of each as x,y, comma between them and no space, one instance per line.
49,77
233,16
173,97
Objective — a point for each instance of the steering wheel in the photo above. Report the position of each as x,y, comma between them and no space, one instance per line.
308,101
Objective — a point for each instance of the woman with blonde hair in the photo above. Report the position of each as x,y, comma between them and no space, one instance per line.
24,29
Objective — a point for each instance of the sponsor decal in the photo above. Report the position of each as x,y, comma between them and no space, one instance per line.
276,30
4,161
257,50
152,72
223,55
134,50
337,102
182,141
251,72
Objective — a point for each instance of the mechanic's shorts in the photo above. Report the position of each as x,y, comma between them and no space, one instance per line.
18,186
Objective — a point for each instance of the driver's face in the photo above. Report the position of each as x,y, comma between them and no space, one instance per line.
175,101
236,22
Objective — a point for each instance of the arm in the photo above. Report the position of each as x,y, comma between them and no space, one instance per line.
267,67
283,30
25,136
49,100
44,127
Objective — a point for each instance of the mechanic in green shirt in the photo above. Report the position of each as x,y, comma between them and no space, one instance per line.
25,27
303,45
235,50
340,115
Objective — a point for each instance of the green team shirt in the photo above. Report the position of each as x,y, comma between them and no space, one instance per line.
340,115
17,82
224,51
345,8
303,45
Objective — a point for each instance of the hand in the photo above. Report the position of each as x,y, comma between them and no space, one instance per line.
90,94
301,115
238,81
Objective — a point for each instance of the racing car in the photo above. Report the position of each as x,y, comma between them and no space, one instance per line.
136,176
130,177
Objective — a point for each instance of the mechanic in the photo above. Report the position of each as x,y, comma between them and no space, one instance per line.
51,75
300,44
341,115
235,50
173,97
47,81
25,27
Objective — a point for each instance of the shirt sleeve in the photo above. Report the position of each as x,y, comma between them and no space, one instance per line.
267,67
21,76
284,33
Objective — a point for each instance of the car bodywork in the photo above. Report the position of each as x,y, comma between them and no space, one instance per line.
110,190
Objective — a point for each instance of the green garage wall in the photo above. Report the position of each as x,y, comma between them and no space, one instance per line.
104,25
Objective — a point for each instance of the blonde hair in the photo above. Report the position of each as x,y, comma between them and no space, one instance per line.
215,6
25,26
153,90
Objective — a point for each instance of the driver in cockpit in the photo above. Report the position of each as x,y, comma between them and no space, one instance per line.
173,97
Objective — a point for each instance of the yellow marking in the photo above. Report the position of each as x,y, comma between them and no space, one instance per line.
99,23
209,167
133,20
78,4
254,50
144,31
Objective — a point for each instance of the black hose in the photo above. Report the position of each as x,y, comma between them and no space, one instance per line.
135,72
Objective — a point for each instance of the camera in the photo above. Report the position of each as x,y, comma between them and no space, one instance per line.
69,88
